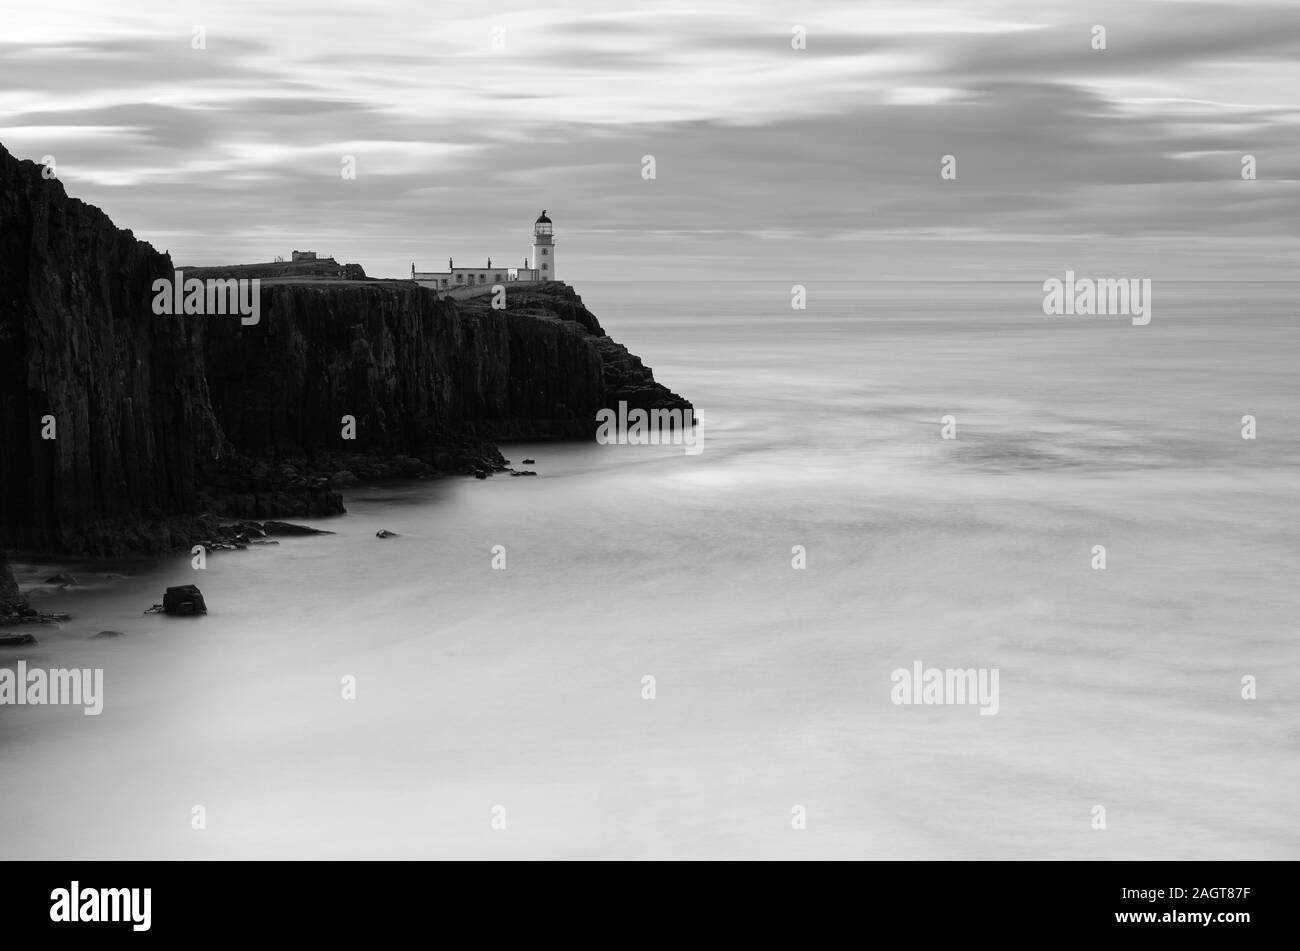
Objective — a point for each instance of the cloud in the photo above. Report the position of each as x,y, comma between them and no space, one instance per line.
233,152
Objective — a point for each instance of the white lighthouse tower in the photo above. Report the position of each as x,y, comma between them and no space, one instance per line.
544,248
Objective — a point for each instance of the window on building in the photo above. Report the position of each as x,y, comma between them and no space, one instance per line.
543,267
460,278
498,278
444,282
546,251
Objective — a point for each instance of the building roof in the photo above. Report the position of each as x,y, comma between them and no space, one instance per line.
542,219
496,268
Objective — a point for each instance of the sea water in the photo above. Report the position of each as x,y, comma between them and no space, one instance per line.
351,697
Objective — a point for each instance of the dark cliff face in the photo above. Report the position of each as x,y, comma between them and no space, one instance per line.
160,419
316,267
11,601
416,373
79,343
623,377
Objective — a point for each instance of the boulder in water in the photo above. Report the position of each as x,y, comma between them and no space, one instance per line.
385,533
16,640
184,599
108,634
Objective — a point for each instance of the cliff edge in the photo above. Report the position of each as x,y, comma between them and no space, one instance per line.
121,427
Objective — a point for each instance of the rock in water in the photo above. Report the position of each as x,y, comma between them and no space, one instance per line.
286,528
184,599
530,462
385,533
16,640
108,634
61,579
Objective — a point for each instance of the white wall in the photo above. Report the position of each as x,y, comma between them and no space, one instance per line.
544,243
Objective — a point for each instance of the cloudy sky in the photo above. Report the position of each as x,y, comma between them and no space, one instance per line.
813,164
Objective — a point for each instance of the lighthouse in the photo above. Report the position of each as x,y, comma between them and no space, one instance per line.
543,268
544,248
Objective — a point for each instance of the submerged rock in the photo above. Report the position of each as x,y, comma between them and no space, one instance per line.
385,533
287,528
530,462
210,546
108,634
16,640
524,472
61,578
184,599
30,615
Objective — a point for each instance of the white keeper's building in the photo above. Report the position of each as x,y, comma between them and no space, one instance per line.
543,266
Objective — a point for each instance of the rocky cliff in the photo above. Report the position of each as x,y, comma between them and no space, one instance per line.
623,377
104,409
11,600
415,372
315,267
155,420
